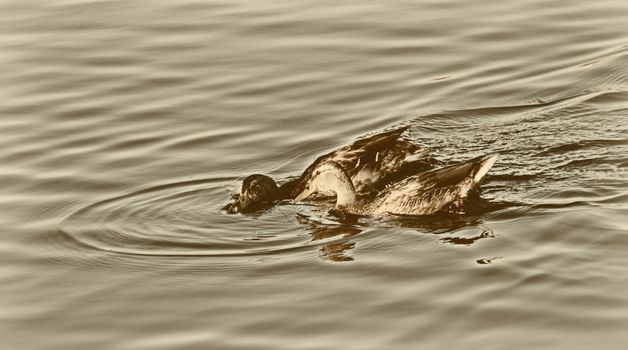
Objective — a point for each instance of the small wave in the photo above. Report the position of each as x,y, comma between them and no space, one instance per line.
587,162
512,177
502,112
579,145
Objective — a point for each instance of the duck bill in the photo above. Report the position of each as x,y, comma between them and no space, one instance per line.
303,195
232,208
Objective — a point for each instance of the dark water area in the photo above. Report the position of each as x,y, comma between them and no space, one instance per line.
126,126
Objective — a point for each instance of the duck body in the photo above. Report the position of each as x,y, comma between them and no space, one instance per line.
421,194
370,163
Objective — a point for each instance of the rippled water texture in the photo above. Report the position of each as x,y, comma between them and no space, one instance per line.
126,125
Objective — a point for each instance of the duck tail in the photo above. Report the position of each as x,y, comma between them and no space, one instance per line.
482,166
474,169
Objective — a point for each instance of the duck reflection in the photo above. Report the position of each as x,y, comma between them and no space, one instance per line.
488,261
453,228
458,225
339,234
338,230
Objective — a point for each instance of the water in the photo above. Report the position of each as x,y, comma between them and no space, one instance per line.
125,126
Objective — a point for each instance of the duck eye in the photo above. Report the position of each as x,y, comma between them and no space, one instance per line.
318,172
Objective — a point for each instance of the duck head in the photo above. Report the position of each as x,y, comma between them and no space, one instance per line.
329,177
257,192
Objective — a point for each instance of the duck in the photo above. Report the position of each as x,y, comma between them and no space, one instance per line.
424,193
370,163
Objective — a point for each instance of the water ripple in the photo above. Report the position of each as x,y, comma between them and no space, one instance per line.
177,219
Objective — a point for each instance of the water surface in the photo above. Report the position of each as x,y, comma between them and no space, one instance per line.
125,126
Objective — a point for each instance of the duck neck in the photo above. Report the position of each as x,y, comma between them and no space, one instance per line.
345,191
289,189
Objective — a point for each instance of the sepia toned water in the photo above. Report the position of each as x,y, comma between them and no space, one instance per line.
125,126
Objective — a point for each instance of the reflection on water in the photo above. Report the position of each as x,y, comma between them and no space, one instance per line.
488,261
126,126
339,234
452,229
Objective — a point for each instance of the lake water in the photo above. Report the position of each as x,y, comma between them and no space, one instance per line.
126,125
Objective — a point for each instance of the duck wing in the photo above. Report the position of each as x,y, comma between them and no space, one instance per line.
376,161
352,157
430,191
364,150
401,160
